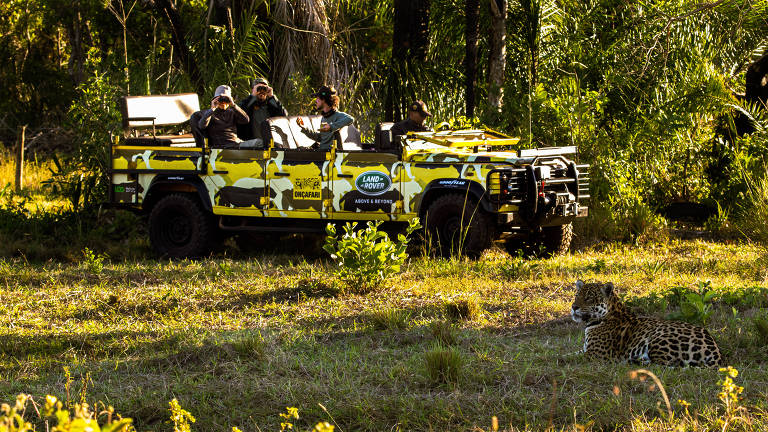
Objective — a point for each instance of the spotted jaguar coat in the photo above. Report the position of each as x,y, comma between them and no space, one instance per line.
612,331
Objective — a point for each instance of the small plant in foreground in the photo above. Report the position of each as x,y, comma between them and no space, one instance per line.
367,257
443,365
81,419
180,417
93,262
729,396
463,309
390,319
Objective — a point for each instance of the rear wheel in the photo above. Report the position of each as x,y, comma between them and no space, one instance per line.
457,225
179,227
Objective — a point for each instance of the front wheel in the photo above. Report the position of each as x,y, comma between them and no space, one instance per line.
456,224
179,227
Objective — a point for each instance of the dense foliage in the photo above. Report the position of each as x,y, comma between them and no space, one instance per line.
657,95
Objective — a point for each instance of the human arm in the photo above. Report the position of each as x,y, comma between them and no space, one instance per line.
240,116
275,108
205,119
338,121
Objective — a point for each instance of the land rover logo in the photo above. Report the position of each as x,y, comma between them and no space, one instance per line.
373,183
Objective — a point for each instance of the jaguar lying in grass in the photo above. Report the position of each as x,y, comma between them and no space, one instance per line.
614,332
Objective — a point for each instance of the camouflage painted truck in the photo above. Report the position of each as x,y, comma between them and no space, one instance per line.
466,188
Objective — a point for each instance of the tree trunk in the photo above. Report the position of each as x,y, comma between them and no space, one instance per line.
168,9
410,44
472,14
756,92
498,53
77,55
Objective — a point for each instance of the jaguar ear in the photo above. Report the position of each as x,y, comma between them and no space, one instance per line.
607,289
579,284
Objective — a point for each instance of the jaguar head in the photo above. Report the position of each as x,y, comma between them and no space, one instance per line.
591,302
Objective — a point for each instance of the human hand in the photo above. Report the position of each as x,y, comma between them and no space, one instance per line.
270,93
325,127
214,103
299,121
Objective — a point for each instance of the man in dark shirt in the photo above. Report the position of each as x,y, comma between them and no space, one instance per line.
260,105
220,122
417,113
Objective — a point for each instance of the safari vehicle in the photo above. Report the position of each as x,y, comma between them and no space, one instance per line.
466,187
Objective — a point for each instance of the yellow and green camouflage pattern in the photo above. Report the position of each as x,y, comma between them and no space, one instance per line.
339,185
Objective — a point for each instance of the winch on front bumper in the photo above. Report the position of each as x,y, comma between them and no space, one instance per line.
550,190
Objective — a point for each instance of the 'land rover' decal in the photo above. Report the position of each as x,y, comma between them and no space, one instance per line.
373,183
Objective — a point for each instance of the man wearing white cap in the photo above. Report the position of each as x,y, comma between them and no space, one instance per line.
221,120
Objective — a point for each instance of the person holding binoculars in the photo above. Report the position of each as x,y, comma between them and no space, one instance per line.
260,105
219,123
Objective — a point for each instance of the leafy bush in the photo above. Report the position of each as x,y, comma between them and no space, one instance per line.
93,262
695,305
367,257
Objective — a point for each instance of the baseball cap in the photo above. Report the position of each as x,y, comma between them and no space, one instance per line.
324,92
420,107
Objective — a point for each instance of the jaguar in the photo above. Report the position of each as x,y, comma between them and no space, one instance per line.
614,332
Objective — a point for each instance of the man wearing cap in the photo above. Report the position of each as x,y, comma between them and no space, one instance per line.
260,105
417,113
326,102
220,122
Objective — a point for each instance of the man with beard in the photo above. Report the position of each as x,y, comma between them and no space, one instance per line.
260,105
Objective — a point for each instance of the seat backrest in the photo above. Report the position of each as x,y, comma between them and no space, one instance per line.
350,138
173,109
382,137
301,140
280,130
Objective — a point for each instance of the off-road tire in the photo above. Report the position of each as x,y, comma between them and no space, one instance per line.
180,228
551,241
557,239
450,216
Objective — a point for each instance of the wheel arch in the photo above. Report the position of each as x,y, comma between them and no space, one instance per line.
439,187
164,185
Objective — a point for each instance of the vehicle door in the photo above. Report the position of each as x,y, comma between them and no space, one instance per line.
366,185
298,183
236,181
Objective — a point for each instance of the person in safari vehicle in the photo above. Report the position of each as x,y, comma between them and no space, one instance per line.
220,122
327,101
260,105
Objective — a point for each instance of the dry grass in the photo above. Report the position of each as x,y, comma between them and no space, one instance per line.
236,340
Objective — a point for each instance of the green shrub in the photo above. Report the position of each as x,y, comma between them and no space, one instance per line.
695,305
93,262
367,257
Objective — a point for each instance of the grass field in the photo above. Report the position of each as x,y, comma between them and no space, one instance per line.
237,340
